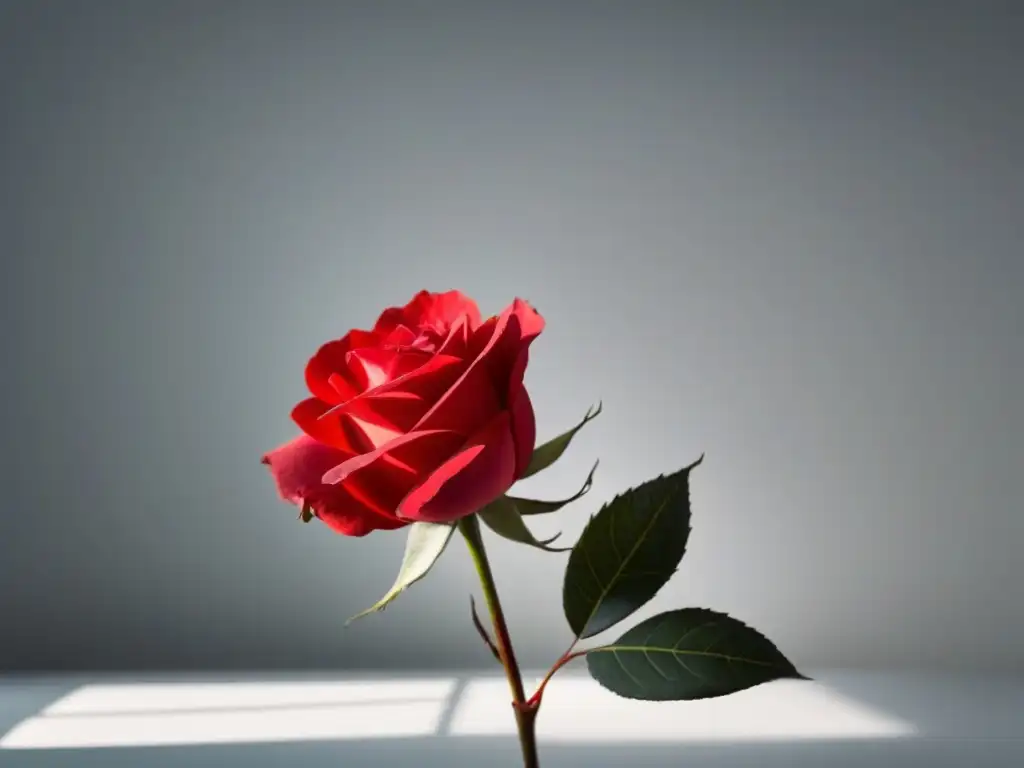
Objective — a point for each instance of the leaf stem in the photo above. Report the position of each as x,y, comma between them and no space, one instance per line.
568,656
525,711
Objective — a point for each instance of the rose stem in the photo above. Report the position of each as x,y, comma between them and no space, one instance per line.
526,713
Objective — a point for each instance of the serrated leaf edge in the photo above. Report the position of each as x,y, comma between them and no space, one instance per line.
615,648
685,471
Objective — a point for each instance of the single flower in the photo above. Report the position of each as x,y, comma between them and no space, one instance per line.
423,418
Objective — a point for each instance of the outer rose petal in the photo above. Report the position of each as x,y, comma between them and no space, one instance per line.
403,461
344,514
524,425
493,381
338,434
297,468
475,476
529,319
472,400
522,325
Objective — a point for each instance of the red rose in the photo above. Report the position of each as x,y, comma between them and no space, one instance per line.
424,418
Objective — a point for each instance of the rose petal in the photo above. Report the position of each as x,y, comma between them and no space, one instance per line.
400,335
494,377
457,340
372,367
485,335
524,426
426,309
470,402
345,514
327,374
445,308
372,434
297,468
529,318
396,405
411,450
336,433
504,357
472,399
475,476
385,475
393,317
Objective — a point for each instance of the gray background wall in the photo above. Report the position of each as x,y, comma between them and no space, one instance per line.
787,234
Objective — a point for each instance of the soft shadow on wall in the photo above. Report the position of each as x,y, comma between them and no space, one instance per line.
787,235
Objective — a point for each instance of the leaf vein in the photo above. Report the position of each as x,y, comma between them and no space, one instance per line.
656,668
629,674
675,652
670,496
689,632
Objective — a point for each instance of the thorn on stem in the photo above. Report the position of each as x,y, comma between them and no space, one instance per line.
481,631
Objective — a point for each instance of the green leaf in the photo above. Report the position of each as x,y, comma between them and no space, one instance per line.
546,455
425,544
693,653
627,552
536,507
502,517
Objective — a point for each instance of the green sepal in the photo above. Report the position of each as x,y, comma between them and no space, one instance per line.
502,517
546,455
423,547
529,507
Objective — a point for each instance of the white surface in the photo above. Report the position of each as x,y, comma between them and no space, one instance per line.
140,715
579,710
841,719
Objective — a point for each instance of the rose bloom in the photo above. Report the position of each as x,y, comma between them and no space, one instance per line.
423,418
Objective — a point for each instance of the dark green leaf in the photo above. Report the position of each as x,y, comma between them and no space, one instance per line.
537,507
502,517
693,653
425,544
547,454
627,552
